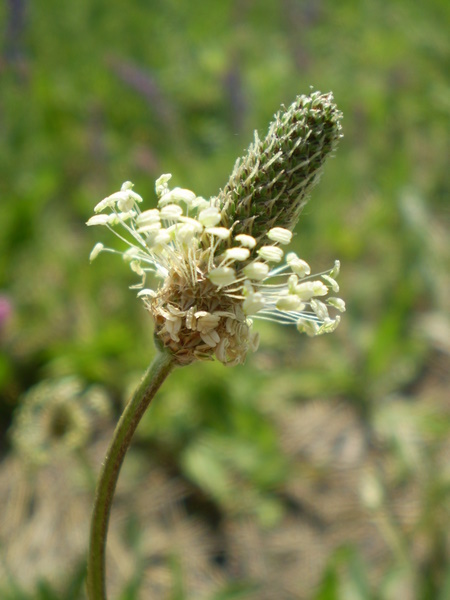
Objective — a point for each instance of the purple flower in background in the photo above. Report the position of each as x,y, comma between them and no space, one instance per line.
5,310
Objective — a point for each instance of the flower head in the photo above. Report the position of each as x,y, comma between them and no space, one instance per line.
211,281
219,262
55,417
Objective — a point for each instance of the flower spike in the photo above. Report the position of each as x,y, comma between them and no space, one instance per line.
270,185
221,260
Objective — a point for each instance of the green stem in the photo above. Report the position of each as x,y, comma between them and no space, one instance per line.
151,382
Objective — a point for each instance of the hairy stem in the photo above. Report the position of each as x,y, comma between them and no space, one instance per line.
151,382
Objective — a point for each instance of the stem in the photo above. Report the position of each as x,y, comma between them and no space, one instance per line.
150,384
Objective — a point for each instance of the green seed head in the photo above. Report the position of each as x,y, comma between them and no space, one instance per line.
270,185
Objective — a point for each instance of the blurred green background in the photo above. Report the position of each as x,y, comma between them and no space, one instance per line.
319,470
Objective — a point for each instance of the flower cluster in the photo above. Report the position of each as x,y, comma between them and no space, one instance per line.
212,280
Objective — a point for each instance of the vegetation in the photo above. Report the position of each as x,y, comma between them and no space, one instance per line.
318,470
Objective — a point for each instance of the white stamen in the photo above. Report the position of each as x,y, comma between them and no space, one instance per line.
211,338
191,322
280,235
221,349
271,253
209,217
289,302
126,203
311,328
248,241
206,321
171,211
320,309
220,232
108,202
96,251
130,254
177,195
147,292
173,327
253,303
239,254
338,303
200,203
222,276
256,270
135,266
185,233
134,196
333,283
98,220
161,186
299,266
147,217
336,269
149,227
308,289
198,227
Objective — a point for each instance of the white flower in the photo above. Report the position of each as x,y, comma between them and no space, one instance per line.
212,280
